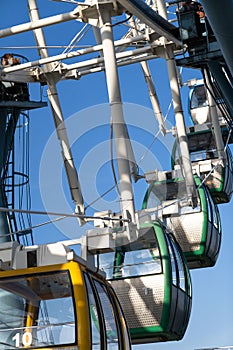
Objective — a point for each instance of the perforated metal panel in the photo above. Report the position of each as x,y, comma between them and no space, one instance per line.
187,230
142,300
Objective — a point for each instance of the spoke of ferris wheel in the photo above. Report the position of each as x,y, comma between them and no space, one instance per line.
151,18
179,116
70,54
44,22
71,172
119,128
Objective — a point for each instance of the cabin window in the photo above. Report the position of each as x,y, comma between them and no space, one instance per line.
205,154
173,263
141,262
177,265
106,262
180,266
165,191
36,311
122,322
229,158
94,315
199,98
208,204
212,211
135,259
109,317
152,200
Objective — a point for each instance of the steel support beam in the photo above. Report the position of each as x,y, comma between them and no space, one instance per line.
151,18
119,128
70,169
179,115
25,27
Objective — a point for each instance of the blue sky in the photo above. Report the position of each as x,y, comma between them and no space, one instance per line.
86,100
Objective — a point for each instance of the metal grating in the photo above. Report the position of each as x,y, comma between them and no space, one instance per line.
141,299
187,230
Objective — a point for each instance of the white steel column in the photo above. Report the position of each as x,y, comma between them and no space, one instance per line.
132,161
179,116
70,169
119,127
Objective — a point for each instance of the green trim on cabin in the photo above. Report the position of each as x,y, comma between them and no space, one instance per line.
145,199
203,205
205,226
218,194
153,331
166,269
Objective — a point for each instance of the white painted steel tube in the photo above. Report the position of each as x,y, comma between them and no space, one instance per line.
179,115
148,16
45,60
119,127
71,172
119,56
25,27
132,161
123,63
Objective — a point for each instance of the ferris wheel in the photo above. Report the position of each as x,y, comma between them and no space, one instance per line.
130,282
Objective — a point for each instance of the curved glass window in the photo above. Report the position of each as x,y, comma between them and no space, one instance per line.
152,199
133,261
212,210
109,318
229,158
173,263
181,268
169,193
36,311
104,317
214,216
209,153
198,98
106,262
165,191
178,267
124,326
208,203
94,315
141,262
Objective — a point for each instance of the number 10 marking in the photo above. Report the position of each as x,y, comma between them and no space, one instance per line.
25,339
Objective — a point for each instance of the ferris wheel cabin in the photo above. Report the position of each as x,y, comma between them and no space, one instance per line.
198,106
53,301
152,282
197,230
215,172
